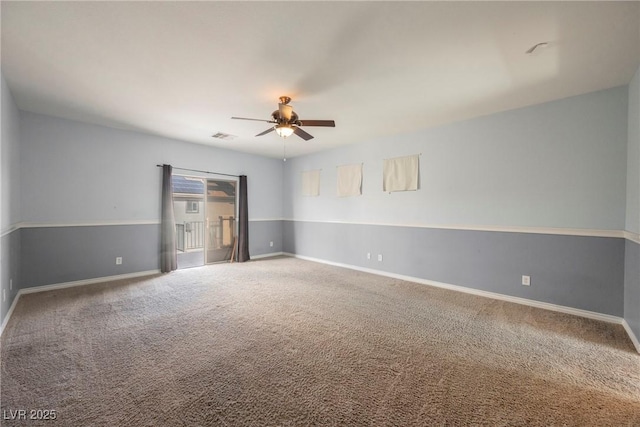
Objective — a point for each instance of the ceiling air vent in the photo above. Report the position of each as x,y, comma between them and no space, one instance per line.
222,135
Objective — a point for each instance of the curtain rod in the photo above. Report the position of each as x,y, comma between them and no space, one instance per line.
196,170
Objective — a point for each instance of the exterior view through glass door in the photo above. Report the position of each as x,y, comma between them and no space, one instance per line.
205,221
189,210
220,220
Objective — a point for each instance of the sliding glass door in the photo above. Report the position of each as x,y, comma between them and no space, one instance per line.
220,220
205,212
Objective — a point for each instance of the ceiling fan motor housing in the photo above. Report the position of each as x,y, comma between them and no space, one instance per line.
280,120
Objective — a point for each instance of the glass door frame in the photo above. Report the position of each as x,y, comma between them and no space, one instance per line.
236,183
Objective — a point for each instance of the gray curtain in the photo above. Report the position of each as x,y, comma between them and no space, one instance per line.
168,254
243,222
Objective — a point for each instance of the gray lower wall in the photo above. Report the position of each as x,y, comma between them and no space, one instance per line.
261,233
589,273
10,269
632,286
52,255
574,271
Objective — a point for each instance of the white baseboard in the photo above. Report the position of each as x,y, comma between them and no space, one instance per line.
269,255
55,286
9,313
632,336
487,294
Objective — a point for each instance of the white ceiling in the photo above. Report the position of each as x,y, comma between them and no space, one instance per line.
182,69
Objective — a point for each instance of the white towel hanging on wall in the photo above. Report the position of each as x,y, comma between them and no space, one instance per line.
401,173
311,183
349,180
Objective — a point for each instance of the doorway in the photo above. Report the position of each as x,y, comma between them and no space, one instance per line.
220,220
205,215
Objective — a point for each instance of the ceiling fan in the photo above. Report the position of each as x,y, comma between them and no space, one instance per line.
287,121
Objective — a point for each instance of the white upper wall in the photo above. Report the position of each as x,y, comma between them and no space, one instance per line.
633,157
559,164
74,172
10,160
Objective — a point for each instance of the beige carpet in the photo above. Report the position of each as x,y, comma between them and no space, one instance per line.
287,342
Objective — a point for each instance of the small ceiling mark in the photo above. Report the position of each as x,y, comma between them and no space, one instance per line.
222,135
536,46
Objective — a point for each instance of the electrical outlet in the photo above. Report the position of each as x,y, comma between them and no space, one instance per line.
368,255
10,284
526,280
379,257
271,244
118,260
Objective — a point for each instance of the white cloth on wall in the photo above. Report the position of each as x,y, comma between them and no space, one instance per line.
311,183
401,173
349,180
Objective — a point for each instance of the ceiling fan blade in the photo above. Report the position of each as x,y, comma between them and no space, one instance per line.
271,129
256,120
302,134
285,111
326,123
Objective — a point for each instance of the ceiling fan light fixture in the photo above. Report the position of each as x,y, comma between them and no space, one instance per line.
284,130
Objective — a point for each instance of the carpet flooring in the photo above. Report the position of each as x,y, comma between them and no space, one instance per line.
286,342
